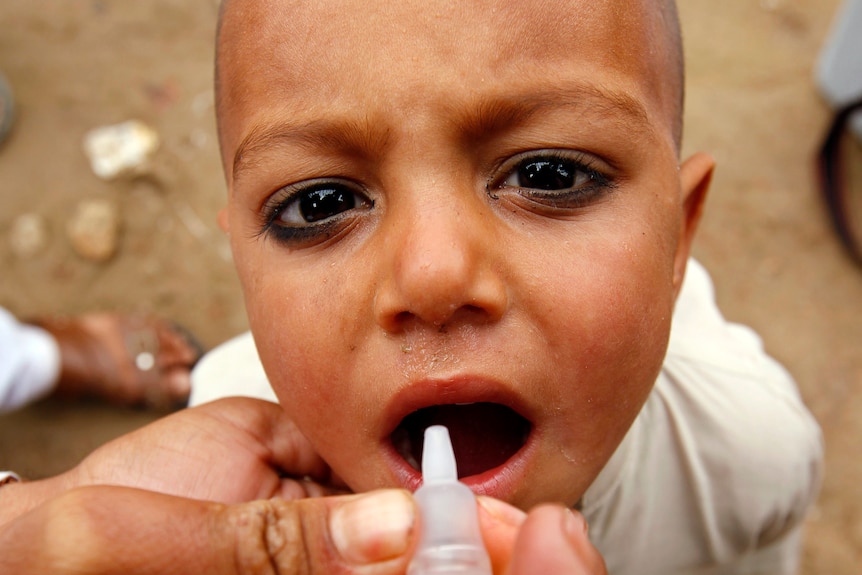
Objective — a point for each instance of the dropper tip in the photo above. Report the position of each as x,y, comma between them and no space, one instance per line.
438,457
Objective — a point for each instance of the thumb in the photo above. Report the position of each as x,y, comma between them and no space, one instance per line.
371,534
553,541
120,530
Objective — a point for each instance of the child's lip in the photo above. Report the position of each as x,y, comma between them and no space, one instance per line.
500,482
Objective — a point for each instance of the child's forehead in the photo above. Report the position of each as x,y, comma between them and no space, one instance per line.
309,51
538,28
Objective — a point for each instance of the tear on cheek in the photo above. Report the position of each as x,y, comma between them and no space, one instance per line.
484,435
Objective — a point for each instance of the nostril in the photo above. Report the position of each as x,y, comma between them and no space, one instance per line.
444,323
477,311
402,318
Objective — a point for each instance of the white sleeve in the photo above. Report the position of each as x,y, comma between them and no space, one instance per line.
722,464
230,369
29,362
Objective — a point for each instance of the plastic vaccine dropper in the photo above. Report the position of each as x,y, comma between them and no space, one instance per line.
450,542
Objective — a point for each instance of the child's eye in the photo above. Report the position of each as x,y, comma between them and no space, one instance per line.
303,211
317,204
556,178
546,174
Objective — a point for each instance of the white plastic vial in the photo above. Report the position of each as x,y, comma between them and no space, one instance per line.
450,542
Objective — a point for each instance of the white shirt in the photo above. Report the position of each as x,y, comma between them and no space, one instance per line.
721,465
29,362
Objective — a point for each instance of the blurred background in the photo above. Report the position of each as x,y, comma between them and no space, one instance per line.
78,65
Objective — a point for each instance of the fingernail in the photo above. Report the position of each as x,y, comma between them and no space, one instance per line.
502,510
373,527
574,524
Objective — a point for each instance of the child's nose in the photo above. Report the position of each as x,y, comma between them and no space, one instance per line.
443,270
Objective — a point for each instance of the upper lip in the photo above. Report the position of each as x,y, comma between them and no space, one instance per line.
449,391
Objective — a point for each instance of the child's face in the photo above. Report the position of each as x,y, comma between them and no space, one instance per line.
475,206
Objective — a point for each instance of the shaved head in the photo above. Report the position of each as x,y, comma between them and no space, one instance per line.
676,60
665,35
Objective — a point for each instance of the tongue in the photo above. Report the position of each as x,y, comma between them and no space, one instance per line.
484,435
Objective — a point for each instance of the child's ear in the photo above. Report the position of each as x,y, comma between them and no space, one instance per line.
223,221
695,175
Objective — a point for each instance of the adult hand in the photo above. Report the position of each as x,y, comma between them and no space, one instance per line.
107,530
228,451
110,529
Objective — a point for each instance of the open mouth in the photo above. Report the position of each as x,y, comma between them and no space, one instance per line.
484,435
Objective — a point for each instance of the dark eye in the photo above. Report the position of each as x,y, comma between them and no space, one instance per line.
547,174
553,179
318,204
304,211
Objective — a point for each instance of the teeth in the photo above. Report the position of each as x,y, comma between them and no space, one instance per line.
413,463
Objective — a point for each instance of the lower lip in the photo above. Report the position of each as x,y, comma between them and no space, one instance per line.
500,482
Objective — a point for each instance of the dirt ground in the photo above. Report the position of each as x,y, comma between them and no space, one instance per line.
80,64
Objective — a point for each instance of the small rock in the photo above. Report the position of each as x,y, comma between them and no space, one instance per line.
28,236
199,139
120,149
94,230
202,104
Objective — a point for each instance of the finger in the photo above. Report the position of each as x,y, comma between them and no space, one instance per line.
177,384
231,451
292,489
119,530
499,523
553,541
175,347
283,445
372,533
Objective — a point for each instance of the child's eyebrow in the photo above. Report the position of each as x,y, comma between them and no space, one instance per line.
359,137
594,103
365,138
